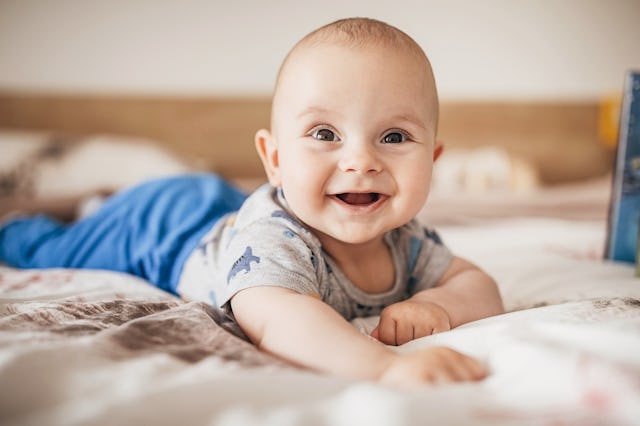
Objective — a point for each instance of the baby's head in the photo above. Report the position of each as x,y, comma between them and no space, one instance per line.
362,34
353,128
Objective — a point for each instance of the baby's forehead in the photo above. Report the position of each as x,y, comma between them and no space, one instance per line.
303,82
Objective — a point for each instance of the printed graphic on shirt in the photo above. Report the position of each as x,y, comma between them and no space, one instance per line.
415,245
242,264
367,311
329,268
415,252
432,235
411,284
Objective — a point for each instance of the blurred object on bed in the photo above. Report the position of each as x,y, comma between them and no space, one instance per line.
483,170
47,165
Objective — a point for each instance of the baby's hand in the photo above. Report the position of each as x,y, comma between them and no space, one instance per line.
408,320
436,364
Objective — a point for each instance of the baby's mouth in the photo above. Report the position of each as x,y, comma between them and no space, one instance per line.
359,198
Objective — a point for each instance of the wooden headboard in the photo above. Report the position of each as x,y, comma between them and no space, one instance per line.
560,139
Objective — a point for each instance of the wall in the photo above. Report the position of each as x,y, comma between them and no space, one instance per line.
491,49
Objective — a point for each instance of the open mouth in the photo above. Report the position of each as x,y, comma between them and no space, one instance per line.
359,198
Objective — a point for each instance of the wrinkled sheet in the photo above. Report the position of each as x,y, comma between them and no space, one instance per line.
93,347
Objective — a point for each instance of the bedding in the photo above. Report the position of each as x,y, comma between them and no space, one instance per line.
96,347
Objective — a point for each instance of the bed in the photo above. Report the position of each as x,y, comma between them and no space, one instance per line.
97,347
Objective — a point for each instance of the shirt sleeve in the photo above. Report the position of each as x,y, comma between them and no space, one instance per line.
267,253
428,258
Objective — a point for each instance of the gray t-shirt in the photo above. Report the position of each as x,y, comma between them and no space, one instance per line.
264,245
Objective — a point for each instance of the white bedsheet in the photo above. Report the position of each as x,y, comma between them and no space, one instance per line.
568,353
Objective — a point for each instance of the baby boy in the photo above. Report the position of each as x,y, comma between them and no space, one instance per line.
351,149
332,237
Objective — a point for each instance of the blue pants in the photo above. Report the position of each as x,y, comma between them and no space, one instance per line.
148,230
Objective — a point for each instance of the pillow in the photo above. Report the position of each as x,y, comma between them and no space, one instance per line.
45,165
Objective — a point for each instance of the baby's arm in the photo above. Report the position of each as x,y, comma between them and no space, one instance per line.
308,332
464,293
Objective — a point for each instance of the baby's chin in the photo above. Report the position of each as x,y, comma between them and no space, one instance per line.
359,234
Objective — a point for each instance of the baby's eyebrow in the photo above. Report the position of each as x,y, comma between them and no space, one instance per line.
399,118
409,118
315,110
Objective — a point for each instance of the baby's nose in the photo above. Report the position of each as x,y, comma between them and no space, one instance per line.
360,158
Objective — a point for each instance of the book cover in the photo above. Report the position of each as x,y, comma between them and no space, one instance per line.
624,209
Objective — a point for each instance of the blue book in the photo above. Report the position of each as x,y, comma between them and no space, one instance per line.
624,209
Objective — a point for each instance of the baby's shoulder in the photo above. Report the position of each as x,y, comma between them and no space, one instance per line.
266,208
263,221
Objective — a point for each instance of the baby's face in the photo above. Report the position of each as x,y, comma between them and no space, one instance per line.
354,134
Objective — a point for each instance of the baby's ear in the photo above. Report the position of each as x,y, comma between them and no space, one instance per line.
437,150
268,152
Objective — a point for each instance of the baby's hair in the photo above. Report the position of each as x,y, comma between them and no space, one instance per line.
363,32
358,32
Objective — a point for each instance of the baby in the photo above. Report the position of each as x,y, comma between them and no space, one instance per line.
332,236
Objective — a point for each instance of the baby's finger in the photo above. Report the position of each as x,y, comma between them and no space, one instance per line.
476,369
470,369
453,373
375,333
404,332
387,331
422,329
440,328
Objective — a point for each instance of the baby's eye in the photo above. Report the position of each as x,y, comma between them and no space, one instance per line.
325,134
394,137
